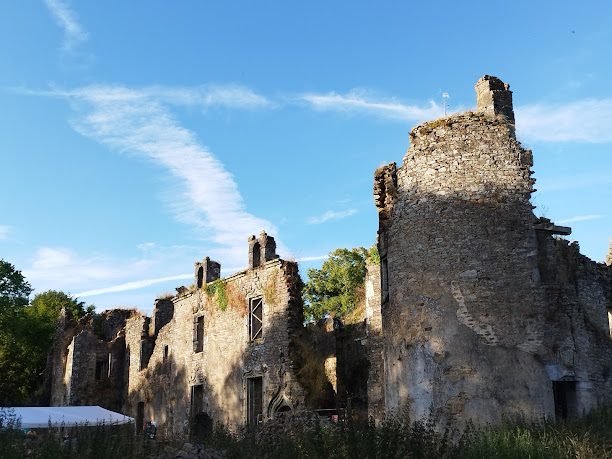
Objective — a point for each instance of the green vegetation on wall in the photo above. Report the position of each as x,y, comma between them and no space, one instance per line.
218,290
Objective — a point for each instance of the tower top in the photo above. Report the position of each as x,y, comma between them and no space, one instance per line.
494,97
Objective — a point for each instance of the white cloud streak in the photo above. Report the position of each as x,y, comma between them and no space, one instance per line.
140,122
356,102
139,284
74,33
580,218
134,285
588,120
331,215
61,269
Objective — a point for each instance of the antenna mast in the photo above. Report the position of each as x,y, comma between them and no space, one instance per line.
445,101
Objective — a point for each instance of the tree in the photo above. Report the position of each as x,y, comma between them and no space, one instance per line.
14,293
46,306
332,290
26,333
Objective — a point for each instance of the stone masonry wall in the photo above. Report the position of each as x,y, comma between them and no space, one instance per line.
228,356
374,344
459,252
468,325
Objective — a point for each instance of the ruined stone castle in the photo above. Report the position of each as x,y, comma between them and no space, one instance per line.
478,310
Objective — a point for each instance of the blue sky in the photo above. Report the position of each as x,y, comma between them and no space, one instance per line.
137,137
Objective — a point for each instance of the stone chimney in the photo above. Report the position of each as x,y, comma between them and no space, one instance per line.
609,257
206,271
494,97
261,249
268,247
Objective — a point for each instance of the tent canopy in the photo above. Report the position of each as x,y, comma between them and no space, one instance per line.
36,417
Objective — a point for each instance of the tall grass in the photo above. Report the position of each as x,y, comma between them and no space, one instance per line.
295,435
95,442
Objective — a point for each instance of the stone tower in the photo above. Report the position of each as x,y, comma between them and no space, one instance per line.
461,302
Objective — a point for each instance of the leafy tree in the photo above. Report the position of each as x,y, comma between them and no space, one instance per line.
26,333
332,290
47,306
14,293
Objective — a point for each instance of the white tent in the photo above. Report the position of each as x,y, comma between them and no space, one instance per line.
36,417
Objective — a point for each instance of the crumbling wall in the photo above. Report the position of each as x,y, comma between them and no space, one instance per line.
87,361
227,357
374,344
470,328
461,305
577,342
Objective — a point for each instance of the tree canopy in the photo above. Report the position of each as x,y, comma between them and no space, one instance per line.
333,289
26,333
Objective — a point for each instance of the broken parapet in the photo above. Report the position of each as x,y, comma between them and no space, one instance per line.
544,224
261,249
385,189
207,271
494,97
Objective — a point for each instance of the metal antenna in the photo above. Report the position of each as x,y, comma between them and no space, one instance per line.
445,101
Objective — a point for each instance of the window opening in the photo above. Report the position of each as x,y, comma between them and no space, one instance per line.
144,355
256,255
254,400
384,274
101,369
200,276
199,334
166,352
255,318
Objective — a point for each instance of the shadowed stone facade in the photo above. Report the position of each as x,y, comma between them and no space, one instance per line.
233,351
485,313
478,310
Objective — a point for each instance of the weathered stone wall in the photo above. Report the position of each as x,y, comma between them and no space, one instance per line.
577,342
87,360
464,309
375,344
228,356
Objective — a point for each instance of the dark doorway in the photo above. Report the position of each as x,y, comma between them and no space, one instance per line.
140,417
197,400
565,399
202,426
254,400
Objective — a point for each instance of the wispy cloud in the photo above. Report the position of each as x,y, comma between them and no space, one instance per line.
331,215
143,283
363,102
588,120
63,269
312,258
580,218
4,232
140,121
573,182
134,285
65,17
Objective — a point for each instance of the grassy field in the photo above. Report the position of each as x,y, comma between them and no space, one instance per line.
587,438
